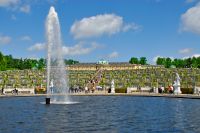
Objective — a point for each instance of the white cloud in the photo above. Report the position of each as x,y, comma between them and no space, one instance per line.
25,8
37,47
190,20
17,5
8,3
97,26
113,55
185,51
5,39
131,26
80,49
25,38
106,24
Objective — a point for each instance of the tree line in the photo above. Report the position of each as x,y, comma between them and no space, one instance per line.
70,62
193,62
7,62
141,60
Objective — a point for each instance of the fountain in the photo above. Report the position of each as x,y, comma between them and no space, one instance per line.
176,85
57,84
51,86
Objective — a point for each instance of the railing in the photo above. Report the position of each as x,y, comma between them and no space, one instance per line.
93,82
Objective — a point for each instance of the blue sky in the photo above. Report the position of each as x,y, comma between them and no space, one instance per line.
115,30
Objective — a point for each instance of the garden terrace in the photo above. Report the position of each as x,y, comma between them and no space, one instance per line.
147,76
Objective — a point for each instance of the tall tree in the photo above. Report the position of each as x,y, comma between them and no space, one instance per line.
160,61
2,62
41,63
188,62
179,63
70,62
198,62
194,62
168,63
143,61
134,60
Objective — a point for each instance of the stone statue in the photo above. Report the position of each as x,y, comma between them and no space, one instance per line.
177,84
178,79
113,86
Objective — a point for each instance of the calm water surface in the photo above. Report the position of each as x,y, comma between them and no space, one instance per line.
107,114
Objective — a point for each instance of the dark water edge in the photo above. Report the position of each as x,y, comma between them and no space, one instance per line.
110,114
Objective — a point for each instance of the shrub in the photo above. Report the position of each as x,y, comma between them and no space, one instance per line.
121,90
40,91
187,90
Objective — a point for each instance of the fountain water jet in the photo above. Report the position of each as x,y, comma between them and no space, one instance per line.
56,72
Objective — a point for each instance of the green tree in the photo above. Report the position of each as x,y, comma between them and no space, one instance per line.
41,63
143,61
34,63
134,60
194,62
70,62
27,64
2,62
160,61
188,62
9,61
198,62
21,64
168,62
179,63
